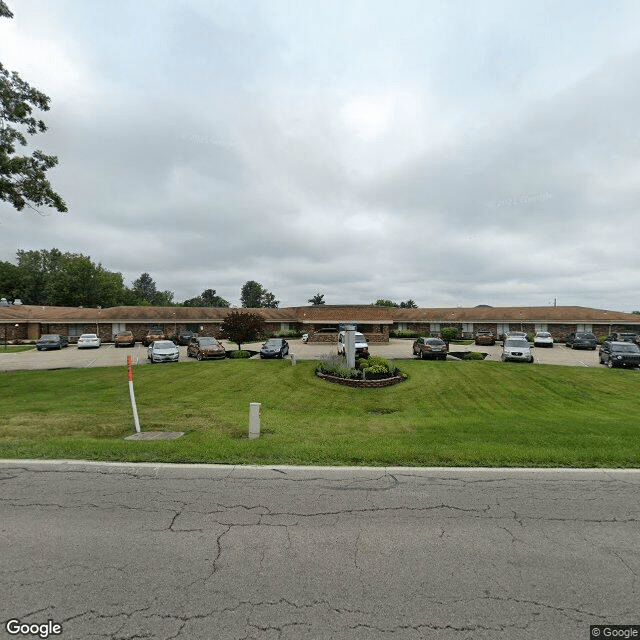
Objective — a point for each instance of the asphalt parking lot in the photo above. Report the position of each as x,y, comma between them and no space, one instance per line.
397,349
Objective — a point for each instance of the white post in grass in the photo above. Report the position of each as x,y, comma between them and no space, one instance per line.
134,408
254,420
350,345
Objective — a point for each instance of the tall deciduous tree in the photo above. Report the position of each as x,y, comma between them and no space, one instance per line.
146,293
253,296
242,327
22,177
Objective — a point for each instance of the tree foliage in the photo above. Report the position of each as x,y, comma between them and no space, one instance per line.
254,296
146,293
61,279
242,326
207,298
409,304
317,299
22,177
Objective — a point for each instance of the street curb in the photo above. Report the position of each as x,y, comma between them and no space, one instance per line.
386,470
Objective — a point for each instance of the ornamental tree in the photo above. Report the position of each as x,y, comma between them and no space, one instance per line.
242,327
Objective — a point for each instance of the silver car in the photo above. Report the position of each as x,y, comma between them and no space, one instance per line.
88,341
543,339
163,351
517,349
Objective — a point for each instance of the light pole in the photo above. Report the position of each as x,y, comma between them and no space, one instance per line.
5,334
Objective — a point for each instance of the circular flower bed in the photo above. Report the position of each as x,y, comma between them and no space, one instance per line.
372,372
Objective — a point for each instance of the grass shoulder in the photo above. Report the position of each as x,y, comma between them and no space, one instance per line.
444,414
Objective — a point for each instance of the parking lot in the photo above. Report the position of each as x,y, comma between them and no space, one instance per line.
107,355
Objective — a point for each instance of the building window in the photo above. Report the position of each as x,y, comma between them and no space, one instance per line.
434,327
541,326
156,327
76,330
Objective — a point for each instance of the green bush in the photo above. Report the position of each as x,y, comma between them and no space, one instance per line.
240,354
473,355
283,333
450,333
337,366
405,333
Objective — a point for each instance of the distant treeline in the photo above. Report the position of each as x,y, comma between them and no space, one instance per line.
53,278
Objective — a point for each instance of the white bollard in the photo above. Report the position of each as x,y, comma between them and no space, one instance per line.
254,420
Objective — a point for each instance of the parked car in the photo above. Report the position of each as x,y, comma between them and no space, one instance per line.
517,349
430,348
274,348
163,351
153,336
184,337
305,337
124,339
624,337
543,339
51,341
514,334
581,340
205,348
619,354
88,341
362,347
484,337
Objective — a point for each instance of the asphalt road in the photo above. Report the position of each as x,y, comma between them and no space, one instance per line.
107,355
113,551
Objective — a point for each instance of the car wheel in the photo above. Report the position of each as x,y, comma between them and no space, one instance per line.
531,360
423,355
610,364
199,356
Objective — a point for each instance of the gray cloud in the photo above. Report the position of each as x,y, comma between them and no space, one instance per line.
449,154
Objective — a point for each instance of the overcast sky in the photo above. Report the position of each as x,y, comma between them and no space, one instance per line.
456,153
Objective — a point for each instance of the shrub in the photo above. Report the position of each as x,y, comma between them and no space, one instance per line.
373,368
405,333
283,333
240,354
473,355
450,333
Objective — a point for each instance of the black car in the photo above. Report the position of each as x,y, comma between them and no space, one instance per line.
619,354
52,341
184,337
581,340
623,337
274,348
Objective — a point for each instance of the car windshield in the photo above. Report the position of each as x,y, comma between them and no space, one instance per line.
207,342
275,343
585,336
49,337
164,344
88,336
516,343
434,341
125,334
627,348
543,334
360,338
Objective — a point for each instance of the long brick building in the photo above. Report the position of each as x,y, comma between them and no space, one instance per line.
29,322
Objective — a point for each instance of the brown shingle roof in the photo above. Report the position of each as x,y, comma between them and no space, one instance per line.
319,314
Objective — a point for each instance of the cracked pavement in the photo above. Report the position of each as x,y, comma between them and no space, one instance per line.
120,552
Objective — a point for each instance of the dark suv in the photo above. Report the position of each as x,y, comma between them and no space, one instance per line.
619,354
581,340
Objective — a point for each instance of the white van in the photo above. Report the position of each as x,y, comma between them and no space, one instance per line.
362,348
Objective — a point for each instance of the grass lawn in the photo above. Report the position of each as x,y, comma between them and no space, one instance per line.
445,413
15,348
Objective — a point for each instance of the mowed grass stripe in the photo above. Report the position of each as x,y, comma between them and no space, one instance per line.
445,413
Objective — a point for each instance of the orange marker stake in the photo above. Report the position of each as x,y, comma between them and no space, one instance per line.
134,408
